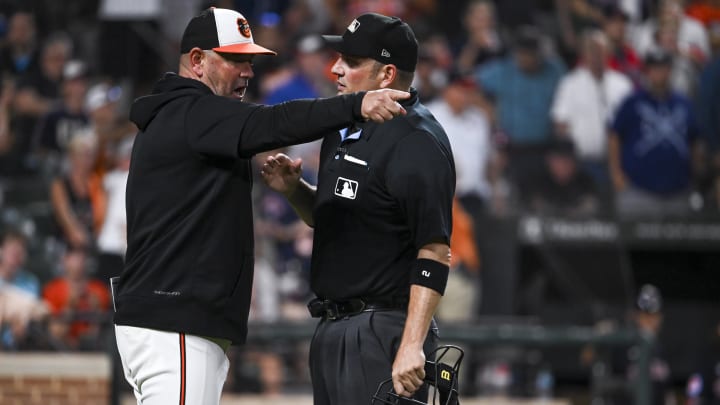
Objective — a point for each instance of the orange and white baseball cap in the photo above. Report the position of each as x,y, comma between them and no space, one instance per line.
221,30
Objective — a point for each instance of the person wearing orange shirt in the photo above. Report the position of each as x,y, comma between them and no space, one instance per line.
77,304
461,302
705,11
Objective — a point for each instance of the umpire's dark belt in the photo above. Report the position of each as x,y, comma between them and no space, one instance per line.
329,309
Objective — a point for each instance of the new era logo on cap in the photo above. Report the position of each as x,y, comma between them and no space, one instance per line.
353,26
221,30
385,53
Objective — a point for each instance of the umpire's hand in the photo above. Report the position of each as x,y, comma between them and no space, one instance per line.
381,105
281,173
408,370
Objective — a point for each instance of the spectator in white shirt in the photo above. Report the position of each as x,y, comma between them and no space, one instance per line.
685,70
585,102
112,241
468,130
692,38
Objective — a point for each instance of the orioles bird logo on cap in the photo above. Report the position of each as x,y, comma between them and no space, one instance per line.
244,27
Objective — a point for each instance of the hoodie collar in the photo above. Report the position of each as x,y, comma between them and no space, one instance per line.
171,87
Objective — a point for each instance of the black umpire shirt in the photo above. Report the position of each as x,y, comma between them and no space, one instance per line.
383,193
189,262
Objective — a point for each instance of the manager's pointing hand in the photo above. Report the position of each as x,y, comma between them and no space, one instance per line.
381,105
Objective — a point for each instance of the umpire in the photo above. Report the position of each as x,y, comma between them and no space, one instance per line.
184,293
382,218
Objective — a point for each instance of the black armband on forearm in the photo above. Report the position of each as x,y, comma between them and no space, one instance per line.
431,274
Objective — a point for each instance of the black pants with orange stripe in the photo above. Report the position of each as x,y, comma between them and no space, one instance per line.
352,356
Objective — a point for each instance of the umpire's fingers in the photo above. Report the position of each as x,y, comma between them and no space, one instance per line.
400,389
420,372
270,167
282,158
414,381
296,165
407,383
267,169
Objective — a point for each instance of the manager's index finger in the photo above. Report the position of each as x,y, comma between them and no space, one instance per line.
398,94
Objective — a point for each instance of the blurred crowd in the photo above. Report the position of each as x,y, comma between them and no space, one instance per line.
571,108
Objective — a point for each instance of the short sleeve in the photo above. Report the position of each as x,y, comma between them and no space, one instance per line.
421,178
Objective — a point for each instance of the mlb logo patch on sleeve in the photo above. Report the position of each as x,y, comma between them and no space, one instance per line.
346,188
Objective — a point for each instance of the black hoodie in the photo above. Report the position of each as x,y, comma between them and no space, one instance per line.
189,262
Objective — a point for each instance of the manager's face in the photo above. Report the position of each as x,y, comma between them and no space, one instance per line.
227,74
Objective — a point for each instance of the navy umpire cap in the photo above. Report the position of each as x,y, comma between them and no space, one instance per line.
388,40
221,30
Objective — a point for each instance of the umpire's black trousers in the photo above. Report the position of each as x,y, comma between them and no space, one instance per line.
350,357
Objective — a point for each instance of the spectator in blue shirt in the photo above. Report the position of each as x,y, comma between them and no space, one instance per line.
308,78
522,87
653,148
13,253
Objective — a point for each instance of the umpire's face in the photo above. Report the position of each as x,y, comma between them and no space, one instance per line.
359,74
227,74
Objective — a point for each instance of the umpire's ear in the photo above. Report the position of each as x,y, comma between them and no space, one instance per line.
387,75
196,58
